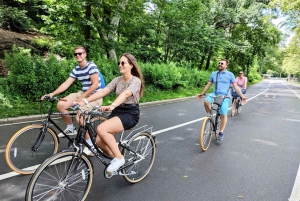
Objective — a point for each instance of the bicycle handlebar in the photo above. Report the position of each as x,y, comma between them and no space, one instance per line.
205,95
95,110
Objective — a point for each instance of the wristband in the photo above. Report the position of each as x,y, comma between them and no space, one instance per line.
113,104
85,101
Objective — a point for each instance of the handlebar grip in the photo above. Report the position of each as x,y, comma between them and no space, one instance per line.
75,107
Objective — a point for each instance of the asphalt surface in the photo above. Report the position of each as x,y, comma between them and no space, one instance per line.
257,161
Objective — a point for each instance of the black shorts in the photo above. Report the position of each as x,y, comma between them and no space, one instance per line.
129,114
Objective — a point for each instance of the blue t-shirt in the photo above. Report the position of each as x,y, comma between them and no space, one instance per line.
225,79
83,75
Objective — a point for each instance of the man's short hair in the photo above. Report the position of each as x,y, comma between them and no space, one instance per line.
227,62
79,47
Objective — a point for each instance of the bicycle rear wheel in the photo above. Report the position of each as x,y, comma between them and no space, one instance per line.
64,176
233,107
206,133
144,145
239,107
19,153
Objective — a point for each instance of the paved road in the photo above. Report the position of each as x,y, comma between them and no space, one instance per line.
257,161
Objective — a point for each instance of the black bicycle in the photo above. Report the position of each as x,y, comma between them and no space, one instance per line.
68,175
33,144
211,123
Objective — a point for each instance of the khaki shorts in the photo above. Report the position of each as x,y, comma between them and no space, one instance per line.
90,106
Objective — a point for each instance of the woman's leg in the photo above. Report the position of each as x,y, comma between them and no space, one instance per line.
106,132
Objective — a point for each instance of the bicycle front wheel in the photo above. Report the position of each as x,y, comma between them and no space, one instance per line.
233,107
64,176
22,157
144,147
206,133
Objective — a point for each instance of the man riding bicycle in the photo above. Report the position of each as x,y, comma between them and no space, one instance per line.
222,79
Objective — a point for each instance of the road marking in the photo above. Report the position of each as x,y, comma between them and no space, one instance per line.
295,92
12,174
295,195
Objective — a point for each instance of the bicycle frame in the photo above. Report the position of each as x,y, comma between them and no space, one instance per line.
45,123
79,141
215,121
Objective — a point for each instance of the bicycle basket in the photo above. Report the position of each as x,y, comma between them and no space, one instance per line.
218,100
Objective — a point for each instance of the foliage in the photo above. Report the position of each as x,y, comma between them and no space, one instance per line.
14,19
31,76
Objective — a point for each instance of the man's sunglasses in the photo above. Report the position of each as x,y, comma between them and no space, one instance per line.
241,73
122,63
221,63
78,53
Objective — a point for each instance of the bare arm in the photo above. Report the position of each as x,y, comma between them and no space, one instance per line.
95,82
63,87
207,86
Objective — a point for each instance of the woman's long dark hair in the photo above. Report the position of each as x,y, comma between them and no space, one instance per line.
136,70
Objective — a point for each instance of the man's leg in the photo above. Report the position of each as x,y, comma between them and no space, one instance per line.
223,123
62,107
207,106
223,112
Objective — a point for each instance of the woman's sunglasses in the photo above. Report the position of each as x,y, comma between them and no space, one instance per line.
122,63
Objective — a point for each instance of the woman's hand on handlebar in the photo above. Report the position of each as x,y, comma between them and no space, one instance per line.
244,100
106,108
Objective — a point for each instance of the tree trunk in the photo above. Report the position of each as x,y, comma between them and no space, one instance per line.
208,60
113,31
201,62
87,28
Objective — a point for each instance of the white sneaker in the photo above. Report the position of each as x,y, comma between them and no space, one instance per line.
115,164
68,132
88,152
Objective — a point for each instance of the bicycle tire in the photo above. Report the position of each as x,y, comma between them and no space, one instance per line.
144,144
218,124
239,107
18,153
61,176
206,133
233,108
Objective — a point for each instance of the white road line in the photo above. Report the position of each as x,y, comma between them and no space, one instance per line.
295,195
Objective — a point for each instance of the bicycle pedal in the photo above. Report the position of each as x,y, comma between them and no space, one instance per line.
132,172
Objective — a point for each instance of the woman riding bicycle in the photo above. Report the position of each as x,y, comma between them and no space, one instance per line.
241,81
125,109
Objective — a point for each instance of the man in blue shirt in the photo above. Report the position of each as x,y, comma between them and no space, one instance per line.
222,79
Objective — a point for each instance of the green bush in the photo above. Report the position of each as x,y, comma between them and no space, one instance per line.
169,76
31,76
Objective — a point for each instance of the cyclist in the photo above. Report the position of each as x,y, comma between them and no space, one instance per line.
125,109
241,81
88,74
222,79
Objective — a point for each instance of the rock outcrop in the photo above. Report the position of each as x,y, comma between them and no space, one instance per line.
8,39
